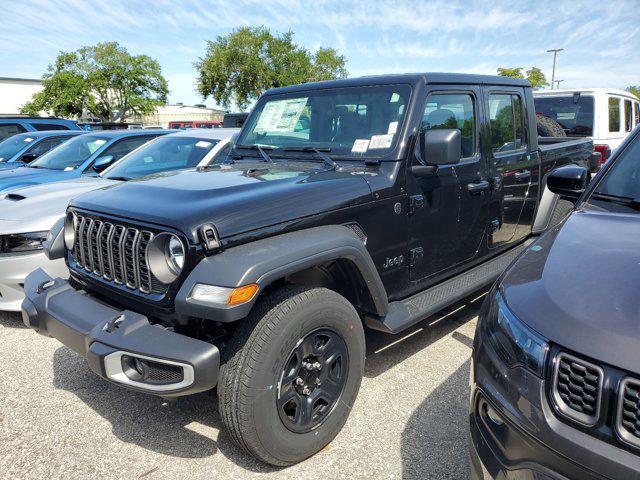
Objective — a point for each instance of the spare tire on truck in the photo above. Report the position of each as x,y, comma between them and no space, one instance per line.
548,127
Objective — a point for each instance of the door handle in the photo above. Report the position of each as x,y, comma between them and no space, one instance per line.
523,175
479,187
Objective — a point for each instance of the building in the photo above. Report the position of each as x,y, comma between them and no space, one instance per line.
178,112
15,92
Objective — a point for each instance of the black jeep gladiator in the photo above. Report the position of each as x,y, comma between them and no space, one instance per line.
370,202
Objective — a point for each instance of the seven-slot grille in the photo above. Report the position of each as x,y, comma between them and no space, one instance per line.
577,388
628,419
114,252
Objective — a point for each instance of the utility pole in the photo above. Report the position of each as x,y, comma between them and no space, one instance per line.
553,72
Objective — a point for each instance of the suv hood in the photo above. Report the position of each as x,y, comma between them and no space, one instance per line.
233,198
36,208
579,286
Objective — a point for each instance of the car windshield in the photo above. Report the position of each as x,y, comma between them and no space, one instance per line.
354,122
623,179
12,145
574,113
71,154
163,154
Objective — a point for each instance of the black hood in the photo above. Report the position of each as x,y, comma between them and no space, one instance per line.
579,286
234,198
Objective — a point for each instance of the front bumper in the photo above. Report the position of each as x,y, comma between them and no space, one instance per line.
14,268
115,341
528,441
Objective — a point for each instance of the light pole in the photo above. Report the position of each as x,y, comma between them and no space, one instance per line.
553,72
558,84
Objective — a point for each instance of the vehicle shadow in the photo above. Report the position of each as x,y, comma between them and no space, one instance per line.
435,440
185,428
11,320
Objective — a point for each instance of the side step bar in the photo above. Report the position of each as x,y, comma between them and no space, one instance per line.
405,313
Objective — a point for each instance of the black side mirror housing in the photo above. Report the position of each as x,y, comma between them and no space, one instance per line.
569,181
438,147
102,163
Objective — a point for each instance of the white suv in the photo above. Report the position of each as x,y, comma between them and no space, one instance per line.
606,114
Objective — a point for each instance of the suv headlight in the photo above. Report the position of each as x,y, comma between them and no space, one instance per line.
514,341
166,256
22,242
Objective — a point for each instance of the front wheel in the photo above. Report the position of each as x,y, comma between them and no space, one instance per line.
291,374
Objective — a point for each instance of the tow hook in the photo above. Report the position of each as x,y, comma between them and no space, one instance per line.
45,285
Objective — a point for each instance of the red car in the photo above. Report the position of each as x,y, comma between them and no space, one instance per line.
195,124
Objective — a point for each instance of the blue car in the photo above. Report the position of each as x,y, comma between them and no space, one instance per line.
21,149
84,155
10,126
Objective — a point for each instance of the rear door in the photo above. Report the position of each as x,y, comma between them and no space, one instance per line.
513,166
448,217
10,129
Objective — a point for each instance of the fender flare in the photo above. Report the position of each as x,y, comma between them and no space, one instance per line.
267,260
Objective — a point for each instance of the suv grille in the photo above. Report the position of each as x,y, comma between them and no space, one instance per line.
628,419
577,386
115,253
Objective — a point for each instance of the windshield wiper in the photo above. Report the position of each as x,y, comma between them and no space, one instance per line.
621,199
119,179
319,152
259,148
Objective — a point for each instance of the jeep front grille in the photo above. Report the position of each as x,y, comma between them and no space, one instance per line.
114,252
628,417
577,388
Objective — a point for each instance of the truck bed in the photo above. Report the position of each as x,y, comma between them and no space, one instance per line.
558,151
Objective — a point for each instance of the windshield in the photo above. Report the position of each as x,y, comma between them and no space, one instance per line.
12,145
161,155
354,122
623,178
71,154
574,113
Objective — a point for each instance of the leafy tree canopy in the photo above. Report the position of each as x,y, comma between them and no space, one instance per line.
536,78
237,68
103,81
634,89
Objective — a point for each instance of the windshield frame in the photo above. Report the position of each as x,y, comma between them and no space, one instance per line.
389,154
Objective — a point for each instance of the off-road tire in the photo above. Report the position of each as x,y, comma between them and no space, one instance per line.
255,356
548,127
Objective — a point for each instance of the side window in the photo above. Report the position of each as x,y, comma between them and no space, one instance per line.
627,116
614,114
453,110
636,113
506,116
10,129
122,147
48,126
46,145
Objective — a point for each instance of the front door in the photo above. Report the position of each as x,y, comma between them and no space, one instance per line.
513,168
448,218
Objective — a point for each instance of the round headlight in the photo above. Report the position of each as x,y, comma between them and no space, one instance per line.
166,256
70,230
175,254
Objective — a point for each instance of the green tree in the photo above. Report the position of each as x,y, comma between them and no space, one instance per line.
634,89
239,67
103,81
511,72
536,78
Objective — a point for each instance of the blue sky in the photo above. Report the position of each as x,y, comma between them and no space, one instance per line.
600,38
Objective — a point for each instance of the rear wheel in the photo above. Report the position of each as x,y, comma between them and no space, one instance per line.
291,374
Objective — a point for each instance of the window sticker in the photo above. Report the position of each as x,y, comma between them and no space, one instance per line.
100,142
203,144
28,139
360,146
393,128
68,169
281,115
394,98
380,141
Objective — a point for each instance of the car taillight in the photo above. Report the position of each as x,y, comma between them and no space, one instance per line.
604,151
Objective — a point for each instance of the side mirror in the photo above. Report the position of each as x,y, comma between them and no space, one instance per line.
438,147
28,157
569,181
102,163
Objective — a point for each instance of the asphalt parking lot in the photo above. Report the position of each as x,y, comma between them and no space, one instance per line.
58,420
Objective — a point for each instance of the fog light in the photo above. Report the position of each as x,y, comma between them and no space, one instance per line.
493,415
148,373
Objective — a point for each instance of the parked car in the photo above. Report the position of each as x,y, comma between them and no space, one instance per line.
194,124
607,115
234,120
29,213
13,125
555,372
85,155
24,148
404,194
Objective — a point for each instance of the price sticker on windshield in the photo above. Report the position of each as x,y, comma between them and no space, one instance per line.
281,115
380,141
360,146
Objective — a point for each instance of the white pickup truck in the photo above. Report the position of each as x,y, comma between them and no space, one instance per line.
607,115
